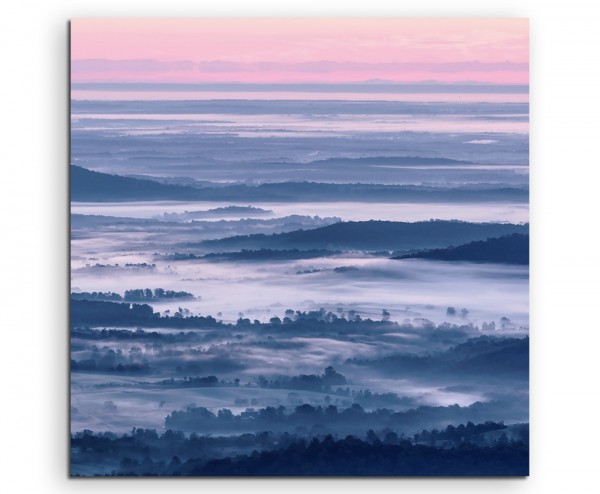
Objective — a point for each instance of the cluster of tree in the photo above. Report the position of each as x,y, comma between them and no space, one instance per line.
193,382
329,418
488,433
484,355
321,384
135,335
101,296
451,311
143,265
310,271
135,295
94,312
147,295
355,457
369,399
101,313
298,318
222,211
258,255
140,265
87,315
91,365
101,266
107,359
145,452
510,249
310,382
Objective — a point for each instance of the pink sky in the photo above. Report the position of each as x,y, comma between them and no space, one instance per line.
299,50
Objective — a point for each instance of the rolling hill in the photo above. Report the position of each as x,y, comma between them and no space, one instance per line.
372,235
91,186
510,249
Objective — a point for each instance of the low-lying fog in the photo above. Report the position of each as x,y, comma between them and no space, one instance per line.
105,399
115,256
406,288
348,211
263,289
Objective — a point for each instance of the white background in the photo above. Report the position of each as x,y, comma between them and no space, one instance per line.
565,77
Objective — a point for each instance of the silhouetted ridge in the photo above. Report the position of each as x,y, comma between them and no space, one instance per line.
353,457
255,255
372,235
510,249
94,311
87,185
477,356
489,448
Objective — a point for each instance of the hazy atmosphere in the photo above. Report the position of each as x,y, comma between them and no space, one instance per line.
299,247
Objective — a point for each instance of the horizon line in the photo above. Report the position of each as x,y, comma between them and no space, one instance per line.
366,86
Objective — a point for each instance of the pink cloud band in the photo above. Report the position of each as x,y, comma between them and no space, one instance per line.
299,50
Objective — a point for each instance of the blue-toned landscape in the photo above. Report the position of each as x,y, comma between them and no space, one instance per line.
299,279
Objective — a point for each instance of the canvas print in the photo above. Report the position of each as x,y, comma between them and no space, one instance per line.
299,247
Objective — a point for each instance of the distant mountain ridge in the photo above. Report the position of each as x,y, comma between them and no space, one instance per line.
91,186
389,160
372,235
